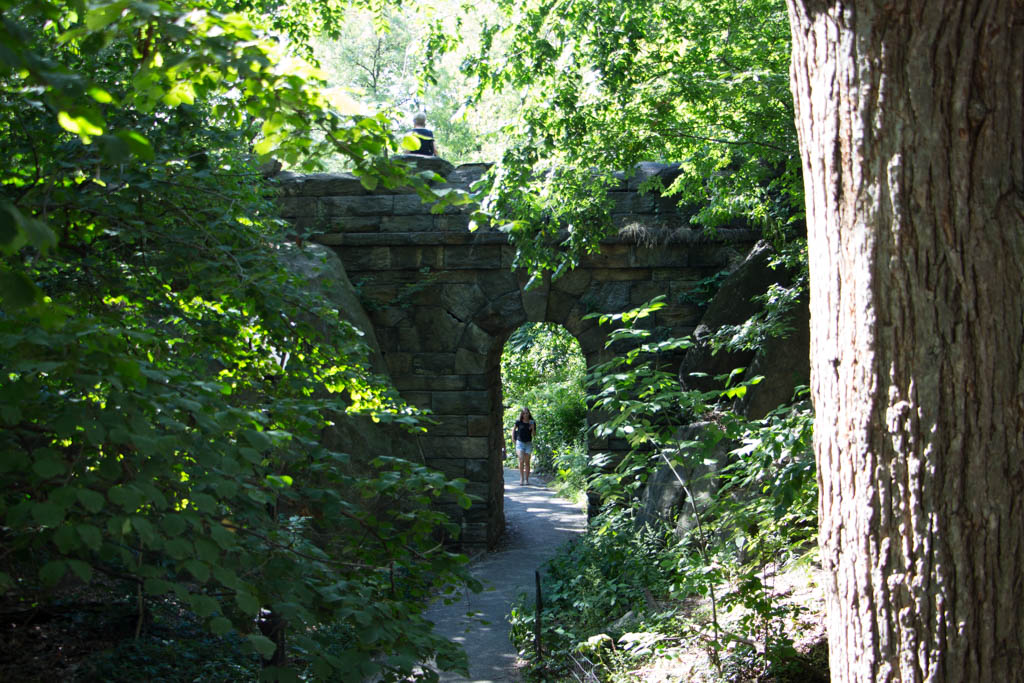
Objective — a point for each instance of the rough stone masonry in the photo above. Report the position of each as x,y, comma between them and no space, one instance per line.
443,300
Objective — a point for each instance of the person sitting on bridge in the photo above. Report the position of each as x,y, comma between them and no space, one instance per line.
426,136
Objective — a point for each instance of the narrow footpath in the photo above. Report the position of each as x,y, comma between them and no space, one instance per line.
537,523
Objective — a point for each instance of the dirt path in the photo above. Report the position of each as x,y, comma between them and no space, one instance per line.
537,522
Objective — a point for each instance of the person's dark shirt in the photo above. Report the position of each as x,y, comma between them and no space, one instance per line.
523,431
426,141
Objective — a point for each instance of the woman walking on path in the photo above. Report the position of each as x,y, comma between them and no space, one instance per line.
522,435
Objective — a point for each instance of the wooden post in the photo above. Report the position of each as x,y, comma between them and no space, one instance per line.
536,622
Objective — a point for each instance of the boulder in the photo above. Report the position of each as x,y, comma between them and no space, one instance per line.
731,305
784,363
324,270
468,174
424,163
664,499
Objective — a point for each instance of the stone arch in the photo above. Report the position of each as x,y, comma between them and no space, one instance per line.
443,301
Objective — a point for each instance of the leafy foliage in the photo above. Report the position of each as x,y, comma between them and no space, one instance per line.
405,60
745,520
166,379
609,83
542,369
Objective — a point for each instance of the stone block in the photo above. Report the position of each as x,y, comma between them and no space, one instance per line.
416,258
575,282
645,170
476,340
365,258
502,315
323,185
421,163
434,364
407,224
410,204
461,403
420,399
400,364
559,306
495,284
448,425
479,425
664,256
449,467
480,489
432,383
454,447
621,274
610,256
476,514
592,338
481,382
468,173
367,205
632,202
438,330
608,297
535,299
295,207
678,316
335,228
642,292
408,338
474,534
472,257
470,363
452,220
715,256
463,300
388,338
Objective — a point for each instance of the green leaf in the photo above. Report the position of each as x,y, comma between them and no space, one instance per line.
48,514
49,467
17,290
102,16
198,569
178,548
369,182
52,572
90,535
157,586
411,143
220,625
247,603
263,645
203,605
66,539
82,570
224,538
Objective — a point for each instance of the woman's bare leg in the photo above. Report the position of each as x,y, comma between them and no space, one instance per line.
522,457
526,466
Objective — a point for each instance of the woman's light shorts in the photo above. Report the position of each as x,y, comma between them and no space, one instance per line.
524,446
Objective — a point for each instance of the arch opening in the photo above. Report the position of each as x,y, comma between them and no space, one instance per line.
543,369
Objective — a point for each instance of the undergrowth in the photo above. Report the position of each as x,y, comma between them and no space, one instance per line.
637,588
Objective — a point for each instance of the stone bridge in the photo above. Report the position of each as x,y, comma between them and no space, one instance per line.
443,301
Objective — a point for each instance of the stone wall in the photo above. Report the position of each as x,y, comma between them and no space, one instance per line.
443,300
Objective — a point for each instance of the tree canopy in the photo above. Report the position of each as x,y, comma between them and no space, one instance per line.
167,380
608,84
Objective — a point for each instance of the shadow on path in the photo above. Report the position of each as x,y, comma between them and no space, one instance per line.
537,523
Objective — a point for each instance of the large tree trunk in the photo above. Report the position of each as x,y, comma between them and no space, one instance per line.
911,126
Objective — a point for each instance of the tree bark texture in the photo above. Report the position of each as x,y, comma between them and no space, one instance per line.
911,123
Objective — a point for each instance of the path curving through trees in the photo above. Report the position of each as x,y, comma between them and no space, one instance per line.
537,523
